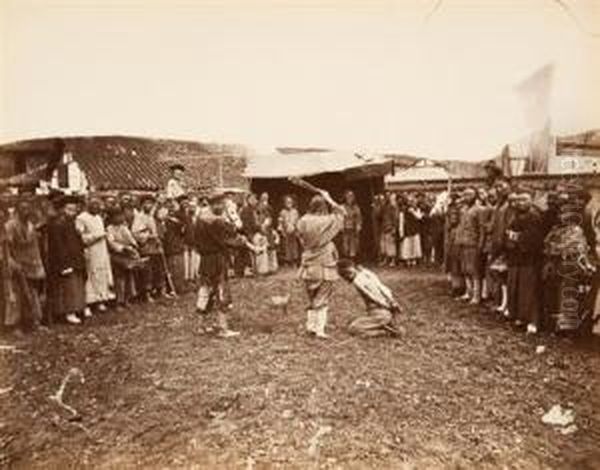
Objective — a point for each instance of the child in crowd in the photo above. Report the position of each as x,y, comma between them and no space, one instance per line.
273,241
261,241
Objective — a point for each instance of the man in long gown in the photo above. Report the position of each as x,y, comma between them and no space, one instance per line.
288,221
352,226
318,268
99,284
524,250
66,262
29,272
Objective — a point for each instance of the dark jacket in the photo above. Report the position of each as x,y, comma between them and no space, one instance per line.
65,246
527,248
174,240
249,216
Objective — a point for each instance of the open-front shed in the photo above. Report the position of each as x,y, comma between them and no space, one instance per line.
334,171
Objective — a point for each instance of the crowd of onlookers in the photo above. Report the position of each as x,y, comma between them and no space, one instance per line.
528,256
66,257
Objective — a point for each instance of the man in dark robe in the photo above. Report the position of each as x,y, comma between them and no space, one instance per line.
215,236
174,244
66,262
524,255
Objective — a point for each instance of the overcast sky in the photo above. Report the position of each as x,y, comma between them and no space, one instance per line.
367,75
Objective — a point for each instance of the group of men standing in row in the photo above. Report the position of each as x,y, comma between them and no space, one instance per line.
534,264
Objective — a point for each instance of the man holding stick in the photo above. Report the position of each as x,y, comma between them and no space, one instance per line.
318,268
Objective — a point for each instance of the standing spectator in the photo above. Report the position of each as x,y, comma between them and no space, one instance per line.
389,230
437,224
110,204
551,216
501,217
376,214
250,227
468,238
66,262
145,231
232,212
176,185
524,249
591,227
99,282
130,209
261,257
191,256
266,241
124,256
452,250
409,227
27,267
273,242
288,222
352,227
6,267
174,244
424,205
264,208
488,202
567,251
318,270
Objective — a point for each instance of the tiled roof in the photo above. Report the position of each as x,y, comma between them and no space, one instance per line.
123,163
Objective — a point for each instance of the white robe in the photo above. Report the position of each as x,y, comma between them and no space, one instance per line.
98,287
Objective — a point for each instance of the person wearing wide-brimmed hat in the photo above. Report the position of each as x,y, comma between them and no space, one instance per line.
176,184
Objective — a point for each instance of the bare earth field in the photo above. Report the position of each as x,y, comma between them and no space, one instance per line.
459,390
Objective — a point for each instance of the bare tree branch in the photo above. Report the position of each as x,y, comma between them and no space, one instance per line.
560,3
436,6
567,9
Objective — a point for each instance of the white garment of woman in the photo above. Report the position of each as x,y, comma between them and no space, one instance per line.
98,287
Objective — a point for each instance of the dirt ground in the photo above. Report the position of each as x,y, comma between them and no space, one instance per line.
459,390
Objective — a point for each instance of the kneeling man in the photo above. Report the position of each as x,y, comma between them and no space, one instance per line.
379,300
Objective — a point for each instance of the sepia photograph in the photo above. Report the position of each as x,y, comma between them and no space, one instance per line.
300,234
